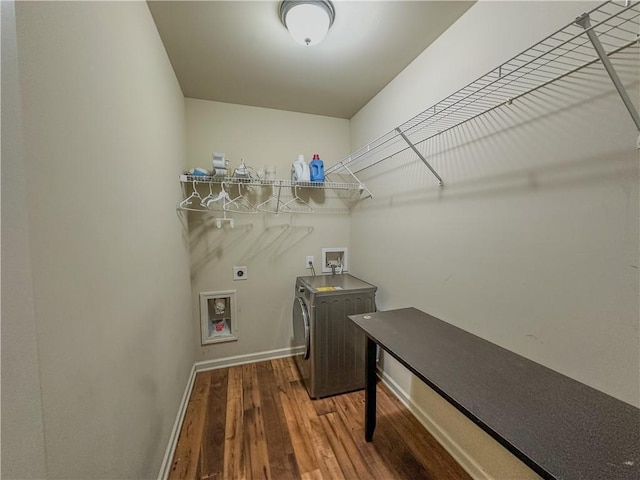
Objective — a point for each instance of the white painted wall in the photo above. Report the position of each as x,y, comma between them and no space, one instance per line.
533,241
272,247
22,436
104,138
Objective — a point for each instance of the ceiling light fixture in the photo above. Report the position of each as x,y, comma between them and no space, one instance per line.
308,21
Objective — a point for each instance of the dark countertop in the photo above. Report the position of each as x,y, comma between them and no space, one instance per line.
558,426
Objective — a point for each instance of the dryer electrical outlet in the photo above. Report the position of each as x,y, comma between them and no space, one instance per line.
240,273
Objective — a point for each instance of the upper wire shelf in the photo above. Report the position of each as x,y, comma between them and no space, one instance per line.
616,25
270,183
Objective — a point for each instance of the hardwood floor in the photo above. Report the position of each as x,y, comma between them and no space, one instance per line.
257,421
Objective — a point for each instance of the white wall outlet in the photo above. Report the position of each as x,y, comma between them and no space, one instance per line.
240,273
309,262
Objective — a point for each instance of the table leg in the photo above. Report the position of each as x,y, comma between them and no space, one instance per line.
370,391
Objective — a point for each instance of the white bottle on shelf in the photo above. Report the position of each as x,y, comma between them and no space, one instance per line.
300,170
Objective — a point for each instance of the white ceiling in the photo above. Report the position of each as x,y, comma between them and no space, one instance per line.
239,51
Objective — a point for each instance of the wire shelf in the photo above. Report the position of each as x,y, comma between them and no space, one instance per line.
617,26
270,183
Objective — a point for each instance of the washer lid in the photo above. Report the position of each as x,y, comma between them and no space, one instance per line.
333,284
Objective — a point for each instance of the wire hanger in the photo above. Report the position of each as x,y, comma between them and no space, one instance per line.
296,201
239,204
211,199
184,205
264,206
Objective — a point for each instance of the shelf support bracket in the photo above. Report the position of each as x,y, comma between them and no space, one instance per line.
362,185
420,156
278,198
584,21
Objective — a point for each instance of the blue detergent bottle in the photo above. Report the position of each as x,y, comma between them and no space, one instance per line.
316,168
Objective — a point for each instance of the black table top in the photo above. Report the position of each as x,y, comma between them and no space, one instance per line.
559,427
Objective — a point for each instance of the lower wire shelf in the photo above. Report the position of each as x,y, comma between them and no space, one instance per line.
271,183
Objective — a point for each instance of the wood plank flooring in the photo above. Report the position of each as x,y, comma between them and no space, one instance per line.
257,421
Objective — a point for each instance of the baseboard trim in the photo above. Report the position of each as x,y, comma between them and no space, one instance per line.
248,358
177,426
202,367
458,454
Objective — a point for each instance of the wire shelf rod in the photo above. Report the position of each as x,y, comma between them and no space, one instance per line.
584,22
269,183
502,104
408,125
564,51
526,69
595,60
485,111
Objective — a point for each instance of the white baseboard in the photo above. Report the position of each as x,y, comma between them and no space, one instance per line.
212,365
458,454
177,426
248,358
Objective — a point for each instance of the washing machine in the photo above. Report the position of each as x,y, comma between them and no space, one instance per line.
331,357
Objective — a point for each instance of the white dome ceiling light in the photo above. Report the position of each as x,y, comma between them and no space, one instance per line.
308,21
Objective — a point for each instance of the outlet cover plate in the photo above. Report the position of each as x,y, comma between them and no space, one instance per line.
240,273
